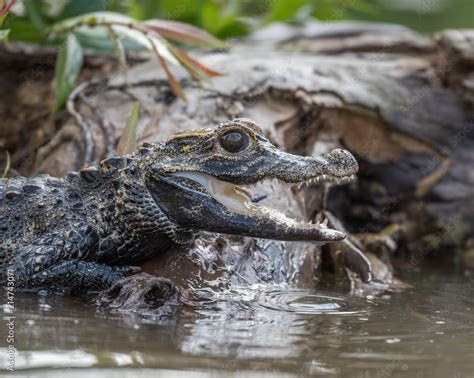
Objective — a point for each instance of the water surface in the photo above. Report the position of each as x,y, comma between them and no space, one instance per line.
427,331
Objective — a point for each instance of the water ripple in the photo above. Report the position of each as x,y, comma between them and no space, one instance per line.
311,303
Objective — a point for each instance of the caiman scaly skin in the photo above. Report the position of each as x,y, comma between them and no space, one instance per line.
85,231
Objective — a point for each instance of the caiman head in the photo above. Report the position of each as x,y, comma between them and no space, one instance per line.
199,178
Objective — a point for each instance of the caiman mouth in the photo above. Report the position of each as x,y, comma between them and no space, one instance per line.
238,199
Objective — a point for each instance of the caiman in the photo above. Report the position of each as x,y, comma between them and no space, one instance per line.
87,230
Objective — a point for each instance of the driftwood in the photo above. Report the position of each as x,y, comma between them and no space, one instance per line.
401,102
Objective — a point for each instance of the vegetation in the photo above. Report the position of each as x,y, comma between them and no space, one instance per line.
118,26
121,26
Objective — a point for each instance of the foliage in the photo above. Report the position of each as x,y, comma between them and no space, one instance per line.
119,32
79,24
68,66
118,26
222,18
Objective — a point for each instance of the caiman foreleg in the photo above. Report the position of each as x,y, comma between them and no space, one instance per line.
58,261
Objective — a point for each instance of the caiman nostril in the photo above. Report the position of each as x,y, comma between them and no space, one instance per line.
341,163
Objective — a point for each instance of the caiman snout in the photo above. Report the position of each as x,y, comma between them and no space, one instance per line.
341,163
206,183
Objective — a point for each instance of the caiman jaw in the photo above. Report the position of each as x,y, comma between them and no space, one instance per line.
237,199
200,182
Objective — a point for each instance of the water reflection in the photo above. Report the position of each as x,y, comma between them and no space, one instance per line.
426,331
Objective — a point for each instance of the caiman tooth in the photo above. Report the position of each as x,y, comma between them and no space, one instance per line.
325,223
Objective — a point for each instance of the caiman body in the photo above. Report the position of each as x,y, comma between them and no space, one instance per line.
86,231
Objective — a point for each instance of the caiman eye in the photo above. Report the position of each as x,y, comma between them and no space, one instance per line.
234,141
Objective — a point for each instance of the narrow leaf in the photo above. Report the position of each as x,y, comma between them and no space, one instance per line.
149,42
182,32
7,166
175,87
128,140
191,63
120,53
283,10
33,10
91,19
4,34
68,66
78,7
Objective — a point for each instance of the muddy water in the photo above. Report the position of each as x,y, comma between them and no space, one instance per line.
427,331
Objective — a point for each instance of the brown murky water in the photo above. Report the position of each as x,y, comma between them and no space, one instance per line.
427,331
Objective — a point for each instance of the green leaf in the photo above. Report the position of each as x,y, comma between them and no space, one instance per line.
96,39
128,139
182,10
4,34
222,22
340,9
33,10
91,19
21,29
143,9
210,17
79,7
68,66
284,10
120,54
151,42
234,28
89,26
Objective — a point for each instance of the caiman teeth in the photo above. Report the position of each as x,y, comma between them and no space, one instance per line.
324,179
238,199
